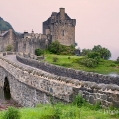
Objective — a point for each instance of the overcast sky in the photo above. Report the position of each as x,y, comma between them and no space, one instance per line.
97,21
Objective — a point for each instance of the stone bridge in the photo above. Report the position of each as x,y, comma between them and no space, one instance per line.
32,82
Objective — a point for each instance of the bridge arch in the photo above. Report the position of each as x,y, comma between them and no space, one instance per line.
6,89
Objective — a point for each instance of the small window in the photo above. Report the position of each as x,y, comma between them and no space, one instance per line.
63,33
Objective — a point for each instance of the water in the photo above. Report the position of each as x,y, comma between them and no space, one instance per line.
113,74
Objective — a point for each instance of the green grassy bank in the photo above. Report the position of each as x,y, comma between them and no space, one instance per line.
61,111
104,66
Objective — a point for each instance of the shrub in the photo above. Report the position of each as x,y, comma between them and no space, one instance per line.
113,65
57,48
9,48
54,59
94,55
78,101
88,62
38,52
85,52
95,106
12,113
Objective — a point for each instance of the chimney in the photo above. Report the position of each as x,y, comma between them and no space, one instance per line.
62,13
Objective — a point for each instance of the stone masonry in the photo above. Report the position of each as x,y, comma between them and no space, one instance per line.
58,27
29,86
61,27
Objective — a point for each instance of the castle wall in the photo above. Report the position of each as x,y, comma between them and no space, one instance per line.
58,27
64,33
1,44
9,38
62,27
29,44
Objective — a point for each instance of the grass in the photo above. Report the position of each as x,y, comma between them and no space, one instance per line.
64,111
104,66
78,109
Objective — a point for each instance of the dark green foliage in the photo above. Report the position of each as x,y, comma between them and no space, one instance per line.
9,48
85,52
59,49
78,101
113,65
39,52
12,113
94,55
54,59
88,62
55,47
104,52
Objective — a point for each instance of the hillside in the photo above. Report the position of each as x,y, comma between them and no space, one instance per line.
4,25
104,67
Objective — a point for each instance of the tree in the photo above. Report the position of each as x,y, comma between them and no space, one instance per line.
97,48
85,52
104,52
94,55
55,47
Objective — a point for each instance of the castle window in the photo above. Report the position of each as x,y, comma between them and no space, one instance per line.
63,33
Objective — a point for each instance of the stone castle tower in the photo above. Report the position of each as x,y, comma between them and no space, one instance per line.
58,27
61,27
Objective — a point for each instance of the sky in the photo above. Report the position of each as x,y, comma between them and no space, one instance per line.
97,21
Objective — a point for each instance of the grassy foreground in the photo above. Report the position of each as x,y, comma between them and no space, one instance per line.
61,111
104,66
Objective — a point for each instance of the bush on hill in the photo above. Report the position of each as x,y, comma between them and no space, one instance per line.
59,49
39,52
9,48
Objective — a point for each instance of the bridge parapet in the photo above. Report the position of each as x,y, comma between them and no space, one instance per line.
39,80
7,53
62,88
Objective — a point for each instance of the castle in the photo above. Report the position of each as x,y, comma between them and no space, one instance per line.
58,27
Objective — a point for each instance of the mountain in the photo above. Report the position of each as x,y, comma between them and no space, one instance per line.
4,25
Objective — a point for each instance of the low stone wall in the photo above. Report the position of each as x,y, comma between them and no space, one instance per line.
67,72
30,56
29,86
7,53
